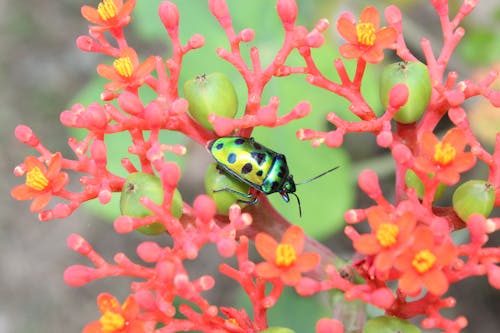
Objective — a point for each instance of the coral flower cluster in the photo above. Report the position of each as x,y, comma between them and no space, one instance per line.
404,263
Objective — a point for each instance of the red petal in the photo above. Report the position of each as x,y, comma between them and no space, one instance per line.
384,260
347,29
385,37
464,161
59,181
448,176
108,72
436,282
127,8
445,254
108,302
367,244
428,143
130,308
267,270
406,224
132,55
146,67
40,201
410,283
31,162
266,246
350,51
374,55
291,277
294,236
23,192
377,216
307,261
424,239
54,166
370,14
456,138
91,15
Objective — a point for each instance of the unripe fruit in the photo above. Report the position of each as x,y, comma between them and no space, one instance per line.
138,185
414,182
216,179
415,76
387,324
473,196
210,93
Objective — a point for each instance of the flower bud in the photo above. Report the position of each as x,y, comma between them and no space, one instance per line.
169,15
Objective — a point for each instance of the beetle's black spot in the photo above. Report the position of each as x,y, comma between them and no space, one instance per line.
274,186
258,157
231,158
219,146
246,169
257,145
282,172
259,173
239,141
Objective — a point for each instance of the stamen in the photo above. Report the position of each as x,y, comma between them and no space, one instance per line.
36,179
107,9
444,154
366,33
285,255
111,321
387,234
423,261
124,66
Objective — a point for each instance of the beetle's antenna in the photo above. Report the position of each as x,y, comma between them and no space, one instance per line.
298,202
316,177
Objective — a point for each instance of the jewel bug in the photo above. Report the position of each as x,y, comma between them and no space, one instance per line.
257,166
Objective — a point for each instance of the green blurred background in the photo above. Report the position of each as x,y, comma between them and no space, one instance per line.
42,73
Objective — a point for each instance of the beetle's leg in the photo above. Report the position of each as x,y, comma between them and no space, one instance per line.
253,198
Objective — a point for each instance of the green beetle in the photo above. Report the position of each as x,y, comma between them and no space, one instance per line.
257,166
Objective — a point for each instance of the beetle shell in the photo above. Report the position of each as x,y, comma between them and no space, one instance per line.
252,163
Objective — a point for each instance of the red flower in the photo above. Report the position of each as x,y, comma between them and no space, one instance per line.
365,39
126,71
109,14
116,318
41,182
390,236
444,159
285,259
421,265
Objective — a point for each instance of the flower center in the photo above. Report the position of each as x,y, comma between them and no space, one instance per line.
36,179
123,66
285,255
444,154
423,261
387,233
107,9
111,321
366,33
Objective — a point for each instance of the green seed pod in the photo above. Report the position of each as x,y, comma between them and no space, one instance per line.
215,180
414,182
210,93
415,76
474,196
138,185
387,324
